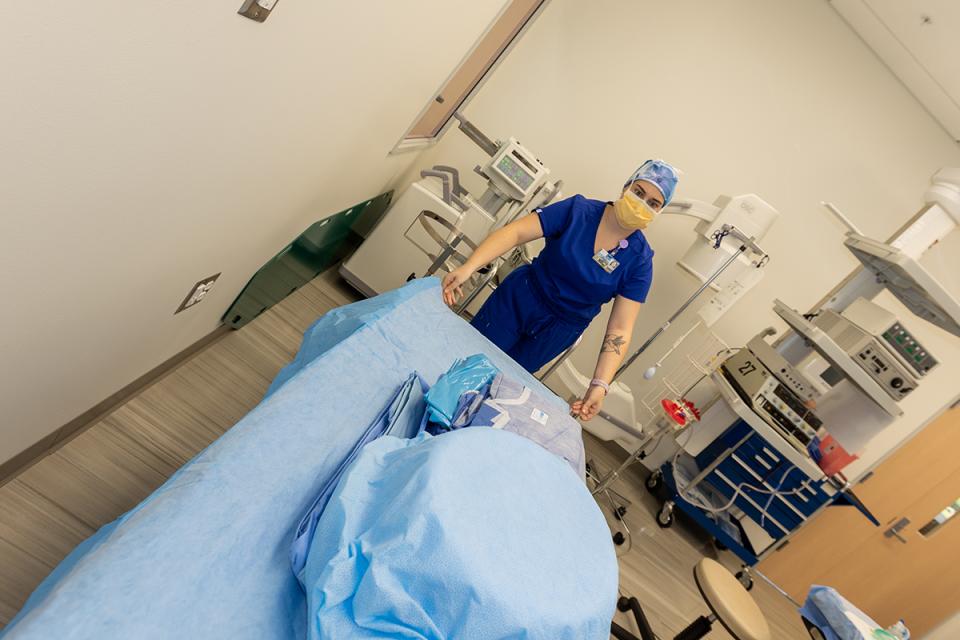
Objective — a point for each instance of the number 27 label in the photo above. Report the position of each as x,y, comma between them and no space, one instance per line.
747,368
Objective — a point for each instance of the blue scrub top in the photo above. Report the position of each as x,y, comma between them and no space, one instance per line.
566,272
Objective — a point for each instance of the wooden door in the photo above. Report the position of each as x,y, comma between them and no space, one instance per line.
883,575
488,51
911,574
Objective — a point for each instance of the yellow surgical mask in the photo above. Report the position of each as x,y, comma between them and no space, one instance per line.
632,212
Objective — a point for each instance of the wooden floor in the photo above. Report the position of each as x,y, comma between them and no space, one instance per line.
106,470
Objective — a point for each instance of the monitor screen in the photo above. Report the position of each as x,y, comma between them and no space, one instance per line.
513,171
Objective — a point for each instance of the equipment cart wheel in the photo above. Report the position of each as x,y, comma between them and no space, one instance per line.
623,604
619,512
665,515
654,481
745,579
619,538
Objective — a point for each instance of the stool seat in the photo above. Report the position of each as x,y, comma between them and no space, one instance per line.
734,608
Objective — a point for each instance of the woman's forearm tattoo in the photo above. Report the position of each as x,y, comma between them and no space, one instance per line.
613,342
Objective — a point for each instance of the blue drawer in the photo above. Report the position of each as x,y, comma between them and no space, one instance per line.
730,474
757,463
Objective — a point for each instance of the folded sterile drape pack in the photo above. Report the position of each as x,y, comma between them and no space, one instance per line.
512,406
403,417
474,393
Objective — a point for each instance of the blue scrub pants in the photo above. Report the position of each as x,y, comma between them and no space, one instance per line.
518,319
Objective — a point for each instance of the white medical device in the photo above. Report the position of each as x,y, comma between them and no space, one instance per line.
852,339
906,279
892,334
887,358
749,214
514,171
856,360
436,223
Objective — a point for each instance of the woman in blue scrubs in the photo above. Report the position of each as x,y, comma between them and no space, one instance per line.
595,252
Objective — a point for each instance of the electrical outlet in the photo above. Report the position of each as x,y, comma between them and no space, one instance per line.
258,10
197,293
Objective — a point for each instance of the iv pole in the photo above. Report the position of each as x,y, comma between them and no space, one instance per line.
746,243
603,484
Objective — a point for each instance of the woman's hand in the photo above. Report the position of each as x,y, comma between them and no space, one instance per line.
453,283
589,406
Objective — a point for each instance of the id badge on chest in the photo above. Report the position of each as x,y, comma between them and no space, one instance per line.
606,260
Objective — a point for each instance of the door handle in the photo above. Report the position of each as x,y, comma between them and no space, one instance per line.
896,528
892,534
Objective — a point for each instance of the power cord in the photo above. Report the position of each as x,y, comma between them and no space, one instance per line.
766,507
739,489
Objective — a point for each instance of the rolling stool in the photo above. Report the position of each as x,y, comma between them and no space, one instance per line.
729,603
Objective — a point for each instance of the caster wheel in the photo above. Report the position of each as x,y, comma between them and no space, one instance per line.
623,604
719,545
745,580
589,469
654,482
619,513
619,538
665,516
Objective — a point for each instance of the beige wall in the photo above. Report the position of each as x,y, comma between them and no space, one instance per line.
774,97
147,145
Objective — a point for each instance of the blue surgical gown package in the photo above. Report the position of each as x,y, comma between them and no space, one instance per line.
477,533
832,614
465,376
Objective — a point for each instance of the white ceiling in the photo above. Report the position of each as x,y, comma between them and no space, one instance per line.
920,41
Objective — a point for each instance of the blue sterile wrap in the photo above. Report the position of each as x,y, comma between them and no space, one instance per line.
477,533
